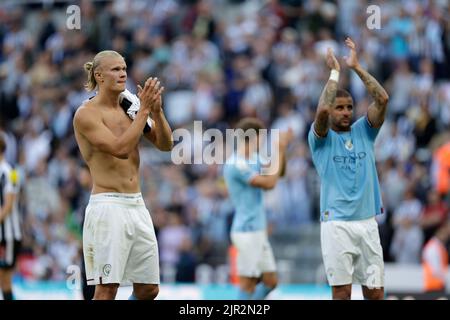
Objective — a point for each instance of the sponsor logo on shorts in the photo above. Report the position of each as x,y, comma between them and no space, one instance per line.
106,269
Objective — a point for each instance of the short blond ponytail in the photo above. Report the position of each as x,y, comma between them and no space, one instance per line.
91,83
90,67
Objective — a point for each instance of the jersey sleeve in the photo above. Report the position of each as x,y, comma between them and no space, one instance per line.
239,171
365,127
314,140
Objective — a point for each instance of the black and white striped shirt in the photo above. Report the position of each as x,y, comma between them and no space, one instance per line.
9,183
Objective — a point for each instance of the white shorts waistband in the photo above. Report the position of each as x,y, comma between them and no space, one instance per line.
348,222
116,197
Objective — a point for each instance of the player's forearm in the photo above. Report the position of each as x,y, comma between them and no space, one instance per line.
268,179
163,132
328,95
266,182
326,101
130,138
373,86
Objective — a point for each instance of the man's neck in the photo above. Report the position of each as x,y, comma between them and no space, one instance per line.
340,130
108,98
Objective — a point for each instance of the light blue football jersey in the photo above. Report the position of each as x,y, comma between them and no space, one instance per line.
248,201
345,162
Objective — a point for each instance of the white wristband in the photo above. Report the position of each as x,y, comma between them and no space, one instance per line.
334,75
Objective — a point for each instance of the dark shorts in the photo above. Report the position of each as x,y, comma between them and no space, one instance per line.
9,250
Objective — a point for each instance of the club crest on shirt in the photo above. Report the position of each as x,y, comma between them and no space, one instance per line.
348,144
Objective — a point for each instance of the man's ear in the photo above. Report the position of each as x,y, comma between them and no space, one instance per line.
98,75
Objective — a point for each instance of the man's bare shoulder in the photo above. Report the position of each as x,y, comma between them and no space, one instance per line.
86,112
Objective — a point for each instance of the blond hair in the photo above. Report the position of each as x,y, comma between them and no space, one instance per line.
90,67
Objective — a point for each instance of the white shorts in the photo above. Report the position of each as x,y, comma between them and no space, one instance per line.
254,253
119,242
352,253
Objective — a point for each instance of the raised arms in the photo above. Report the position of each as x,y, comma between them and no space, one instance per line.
92,128
327,97
377,110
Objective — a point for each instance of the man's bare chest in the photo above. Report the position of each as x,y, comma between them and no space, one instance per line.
117,122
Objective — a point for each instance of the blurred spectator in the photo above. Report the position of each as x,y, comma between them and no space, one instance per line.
434,215
400,87
36,144
11,143
425,126
441,170
408,238
187,263
435,260
41,205
394,182
171,239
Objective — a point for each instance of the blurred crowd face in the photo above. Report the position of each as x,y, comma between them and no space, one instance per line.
341,114
433,198
111,74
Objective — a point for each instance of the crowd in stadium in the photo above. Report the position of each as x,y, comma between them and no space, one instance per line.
220,61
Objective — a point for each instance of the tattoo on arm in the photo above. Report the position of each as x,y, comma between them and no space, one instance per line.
328,94
375,89
326,101
377,110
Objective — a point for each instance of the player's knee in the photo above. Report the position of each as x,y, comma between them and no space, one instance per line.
342,293
374,294
149,292
342,296
107,292
248,286
270,280
154,292
271,283
378,296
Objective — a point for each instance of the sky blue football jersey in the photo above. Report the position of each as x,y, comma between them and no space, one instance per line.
247,200
345,162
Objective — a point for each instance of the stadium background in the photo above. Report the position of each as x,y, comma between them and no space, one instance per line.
220,60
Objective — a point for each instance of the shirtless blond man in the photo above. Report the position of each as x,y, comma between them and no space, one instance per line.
119,243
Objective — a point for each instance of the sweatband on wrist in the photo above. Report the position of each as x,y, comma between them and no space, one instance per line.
334,75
